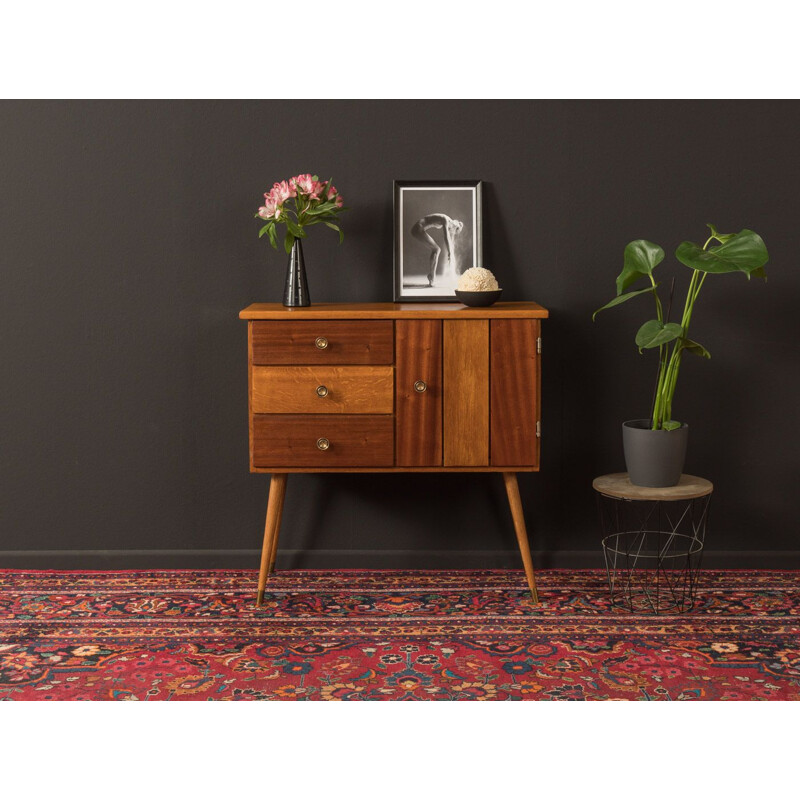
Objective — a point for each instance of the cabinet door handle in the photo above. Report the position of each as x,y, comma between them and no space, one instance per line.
420,386
322,391
321,342
323,443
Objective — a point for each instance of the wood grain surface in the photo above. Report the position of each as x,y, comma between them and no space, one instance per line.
282,341
466,392
515,504
618,484
270,468
272,526
360,311
418,431
350,390
514,395
356,440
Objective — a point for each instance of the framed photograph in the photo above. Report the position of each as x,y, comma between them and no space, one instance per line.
437,235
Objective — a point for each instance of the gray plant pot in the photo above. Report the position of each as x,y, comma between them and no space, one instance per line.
653,458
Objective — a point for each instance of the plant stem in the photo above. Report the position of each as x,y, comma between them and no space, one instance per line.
655,388
662,355
689,294
667,386
659,310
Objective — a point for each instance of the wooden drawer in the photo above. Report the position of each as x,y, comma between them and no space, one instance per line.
323,390
322,342
353,440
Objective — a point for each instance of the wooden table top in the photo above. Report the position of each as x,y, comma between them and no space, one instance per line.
454,310
619,485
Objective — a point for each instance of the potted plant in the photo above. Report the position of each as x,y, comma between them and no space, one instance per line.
312,202
655,448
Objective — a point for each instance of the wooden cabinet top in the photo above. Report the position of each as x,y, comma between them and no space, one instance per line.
522,310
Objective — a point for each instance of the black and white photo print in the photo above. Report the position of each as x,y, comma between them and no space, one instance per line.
437,236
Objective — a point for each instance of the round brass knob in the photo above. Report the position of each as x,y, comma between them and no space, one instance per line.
322,391
321,342
420,386
323,443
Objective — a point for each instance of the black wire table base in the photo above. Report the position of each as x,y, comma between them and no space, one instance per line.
653,550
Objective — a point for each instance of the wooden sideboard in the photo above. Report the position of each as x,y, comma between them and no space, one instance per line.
393,387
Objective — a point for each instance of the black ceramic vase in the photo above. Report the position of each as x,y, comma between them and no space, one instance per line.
295,293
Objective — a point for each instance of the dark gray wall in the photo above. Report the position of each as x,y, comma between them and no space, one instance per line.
128,248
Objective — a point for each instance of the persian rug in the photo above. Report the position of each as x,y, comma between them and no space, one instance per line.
396,635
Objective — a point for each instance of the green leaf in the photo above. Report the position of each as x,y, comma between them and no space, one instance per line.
295,229
641,258
269,229
623,298
325,207
720,237
670,425
695,348
744,252
655,333
322,208
288,241
759,272
336,228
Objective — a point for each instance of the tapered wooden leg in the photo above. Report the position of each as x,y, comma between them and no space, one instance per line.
276,535
277,491
512,490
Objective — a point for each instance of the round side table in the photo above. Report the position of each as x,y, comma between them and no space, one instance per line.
653,541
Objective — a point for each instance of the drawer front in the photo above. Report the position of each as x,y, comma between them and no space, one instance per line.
300,440
298,342
323,390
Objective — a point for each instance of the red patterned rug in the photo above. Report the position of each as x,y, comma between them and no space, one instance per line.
357,635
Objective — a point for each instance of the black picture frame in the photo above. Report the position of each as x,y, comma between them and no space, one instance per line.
420,246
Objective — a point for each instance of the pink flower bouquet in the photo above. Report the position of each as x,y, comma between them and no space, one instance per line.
314,202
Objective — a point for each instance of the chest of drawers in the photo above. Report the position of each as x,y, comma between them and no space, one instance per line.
392,387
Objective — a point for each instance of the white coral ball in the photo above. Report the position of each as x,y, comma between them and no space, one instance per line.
477,279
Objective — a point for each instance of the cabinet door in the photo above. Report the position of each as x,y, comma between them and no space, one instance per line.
466,392
514,392
418,392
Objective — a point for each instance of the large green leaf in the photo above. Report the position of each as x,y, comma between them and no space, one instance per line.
623,298
641,258
744,252
655,333
695,348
